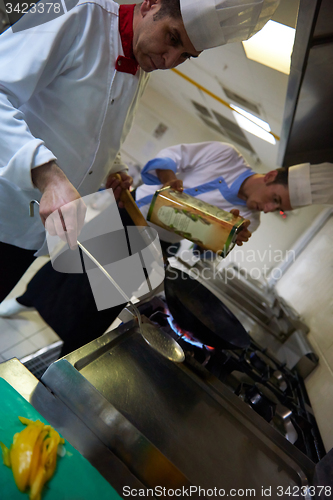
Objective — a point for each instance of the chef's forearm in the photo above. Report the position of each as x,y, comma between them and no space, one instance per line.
46,175
166,176
23,149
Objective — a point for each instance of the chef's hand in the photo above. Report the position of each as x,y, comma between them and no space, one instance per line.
176,184
244,234
61,208
168,179
118,185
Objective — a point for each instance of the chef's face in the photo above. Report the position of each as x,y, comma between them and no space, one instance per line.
160,43
268,197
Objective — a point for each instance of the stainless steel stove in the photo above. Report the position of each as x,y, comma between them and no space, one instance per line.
221,421
253,374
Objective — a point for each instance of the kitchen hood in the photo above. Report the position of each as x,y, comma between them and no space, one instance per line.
308,116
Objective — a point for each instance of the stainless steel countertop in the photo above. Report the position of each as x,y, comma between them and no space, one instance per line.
163,415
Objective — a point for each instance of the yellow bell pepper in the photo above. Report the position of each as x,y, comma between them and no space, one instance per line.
32,456
36,456
5,454
21,453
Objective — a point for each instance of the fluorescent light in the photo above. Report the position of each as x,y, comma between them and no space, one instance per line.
252,117
272,46
251,123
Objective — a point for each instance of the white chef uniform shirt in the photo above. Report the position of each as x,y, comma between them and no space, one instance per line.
211,171
61,98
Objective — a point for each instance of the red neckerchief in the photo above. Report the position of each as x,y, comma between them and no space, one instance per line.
126,63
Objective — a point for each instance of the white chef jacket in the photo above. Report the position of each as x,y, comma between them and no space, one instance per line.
211,171
61,98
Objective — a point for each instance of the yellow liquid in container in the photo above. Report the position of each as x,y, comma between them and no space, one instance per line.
208,226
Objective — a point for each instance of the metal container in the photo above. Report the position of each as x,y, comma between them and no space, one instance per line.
208,226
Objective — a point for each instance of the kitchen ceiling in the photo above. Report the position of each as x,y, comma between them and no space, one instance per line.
224,71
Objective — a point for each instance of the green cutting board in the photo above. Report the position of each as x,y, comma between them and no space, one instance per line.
74,479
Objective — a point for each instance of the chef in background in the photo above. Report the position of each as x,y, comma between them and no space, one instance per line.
218,174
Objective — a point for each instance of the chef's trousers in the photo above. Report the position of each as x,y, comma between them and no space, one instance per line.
14,261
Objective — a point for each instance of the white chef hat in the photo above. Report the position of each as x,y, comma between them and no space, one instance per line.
210,23
310,184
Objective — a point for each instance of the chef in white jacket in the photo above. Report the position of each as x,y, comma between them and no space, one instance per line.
211,171
217,173
69,87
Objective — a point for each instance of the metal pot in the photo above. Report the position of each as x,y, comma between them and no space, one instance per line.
199,311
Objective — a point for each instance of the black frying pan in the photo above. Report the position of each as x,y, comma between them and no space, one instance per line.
199,311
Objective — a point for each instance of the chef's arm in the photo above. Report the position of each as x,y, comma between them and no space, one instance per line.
40,55
169,178
244,234
153,172
57,194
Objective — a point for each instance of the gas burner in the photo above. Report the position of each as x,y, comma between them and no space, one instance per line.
267,369
273,391
260,399
279,381
260,361
165,320
282,421
159,318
